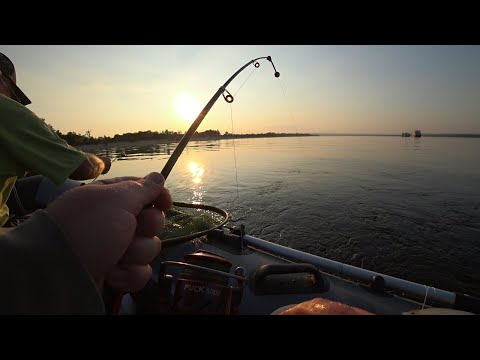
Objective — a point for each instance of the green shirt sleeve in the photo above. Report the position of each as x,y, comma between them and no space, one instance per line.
31,142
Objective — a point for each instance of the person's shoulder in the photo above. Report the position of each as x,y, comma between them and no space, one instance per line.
12,110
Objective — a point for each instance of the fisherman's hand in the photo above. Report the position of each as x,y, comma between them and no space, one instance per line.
320,306
115,238
108,164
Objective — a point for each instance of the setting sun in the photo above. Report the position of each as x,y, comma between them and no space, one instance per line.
187,107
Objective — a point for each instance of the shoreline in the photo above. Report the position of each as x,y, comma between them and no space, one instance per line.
111,145
92,147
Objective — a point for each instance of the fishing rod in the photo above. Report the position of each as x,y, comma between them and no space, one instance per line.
188,135
229,99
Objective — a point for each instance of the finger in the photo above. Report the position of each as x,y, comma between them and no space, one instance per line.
156,178
133,196
150,222
129,278
153,176
142,251
114,180
164,201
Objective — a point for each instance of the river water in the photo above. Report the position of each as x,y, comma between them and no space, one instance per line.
406,207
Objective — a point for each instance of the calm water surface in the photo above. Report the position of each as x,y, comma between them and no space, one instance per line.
406,207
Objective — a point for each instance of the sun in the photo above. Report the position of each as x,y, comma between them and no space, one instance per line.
187,107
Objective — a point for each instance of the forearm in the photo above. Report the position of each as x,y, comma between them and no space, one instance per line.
40,274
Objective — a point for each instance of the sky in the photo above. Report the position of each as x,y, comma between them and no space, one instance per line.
378,89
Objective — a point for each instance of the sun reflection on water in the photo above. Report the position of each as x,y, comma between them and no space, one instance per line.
197,170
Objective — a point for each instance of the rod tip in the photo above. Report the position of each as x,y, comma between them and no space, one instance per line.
277,74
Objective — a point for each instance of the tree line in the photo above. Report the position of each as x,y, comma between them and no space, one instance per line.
75,139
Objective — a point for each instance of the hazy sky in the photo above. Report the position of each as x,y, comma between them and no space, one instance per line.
335,89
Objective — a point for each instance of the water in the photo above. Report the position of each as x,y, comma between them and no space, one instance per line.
406,207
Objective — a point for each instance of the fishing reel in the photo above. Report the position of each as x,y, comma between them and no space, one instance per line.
201,285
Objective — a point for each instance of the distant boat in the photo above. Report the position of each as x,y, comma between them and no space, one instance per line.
416,133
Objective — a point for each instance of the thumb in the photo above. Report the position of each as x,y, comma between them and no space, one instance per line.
137,194
156,178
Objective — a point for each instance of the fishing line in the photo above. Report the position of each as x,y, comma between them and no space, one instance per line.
237,198
245,81
235,159
286,101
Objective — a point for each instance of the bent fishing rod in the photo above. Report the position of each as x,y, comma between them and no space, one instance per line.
228,98
188,135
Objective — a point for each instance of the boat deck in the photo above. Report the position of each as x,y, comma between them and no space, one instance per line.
290,288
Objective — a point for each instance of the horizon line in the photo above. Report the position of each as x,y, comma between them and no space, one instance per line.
398,134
